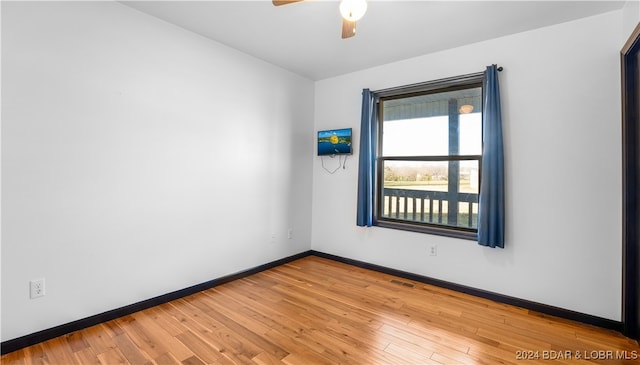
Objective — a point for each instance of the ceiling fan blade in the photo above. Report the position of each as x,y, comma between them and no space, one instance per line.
284,2
348,28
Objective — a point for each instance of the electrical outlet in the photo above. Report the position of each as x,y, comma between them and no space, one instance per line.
290,233
36,288
433,250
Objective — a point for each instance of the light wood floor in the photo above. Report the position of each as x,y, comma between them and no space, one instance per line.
317,311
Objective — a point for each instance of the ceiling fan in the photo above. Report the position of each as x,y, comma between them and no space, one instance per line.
351,11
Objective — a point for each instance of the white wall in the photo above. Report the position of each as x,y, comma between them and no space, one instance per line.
631,17
561,112
139,159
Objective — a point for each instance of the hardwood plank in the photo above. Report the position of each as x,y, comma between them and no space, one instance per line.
202,349
58,351
111,328
14,358
306,358
111,357
428,340
76,341
206,304
141,336
340,347
167,359
162,338
193,360
98,339
272,316
264,358
130,351
319,311
168,323
295,347
408,356
33,355
87,356
214,332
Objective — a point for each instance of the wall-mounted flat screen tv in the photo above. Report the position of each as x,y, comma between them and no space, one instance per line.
334,142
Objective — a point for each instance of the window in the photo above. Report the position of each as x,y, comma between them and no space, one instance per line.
429,156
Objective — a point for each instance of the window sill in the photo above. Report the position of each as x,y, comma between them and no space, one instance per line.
447,232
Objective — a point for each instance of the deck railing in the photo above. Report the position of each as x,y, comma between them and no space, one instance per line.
438,207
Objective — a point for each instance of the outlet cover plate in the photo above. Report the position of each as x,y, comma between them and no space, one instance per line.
36,288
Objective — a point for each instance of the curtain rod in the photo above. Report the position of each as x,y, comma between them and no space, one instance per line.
462,79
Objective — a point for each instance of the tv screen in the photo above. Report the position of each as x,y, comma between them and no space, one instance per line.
334,142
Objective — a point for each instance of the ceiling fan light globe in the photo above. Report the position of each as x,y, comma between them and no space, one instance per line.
353,10
466,109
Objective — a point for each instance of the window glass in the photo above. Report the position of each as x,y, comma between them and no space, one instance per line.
430,149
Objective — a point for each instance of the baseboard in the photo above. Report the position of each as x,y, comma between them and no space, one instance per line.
44,335
500,298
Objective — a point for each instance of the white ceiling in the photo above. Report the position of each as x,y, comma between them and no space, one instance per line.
305,37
